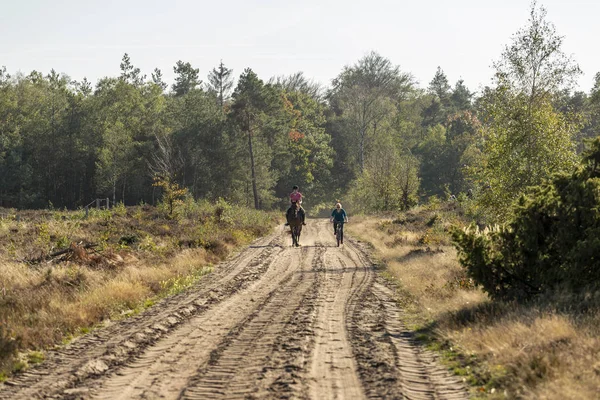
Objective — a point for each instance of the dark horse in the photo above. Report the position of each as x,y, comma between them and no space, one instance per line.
294,218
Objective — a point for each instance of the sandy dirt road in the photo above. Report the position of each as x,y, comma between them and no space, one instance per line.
314,322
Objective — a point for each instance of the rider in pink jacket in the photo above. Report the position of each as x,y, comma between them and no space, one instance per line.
296,198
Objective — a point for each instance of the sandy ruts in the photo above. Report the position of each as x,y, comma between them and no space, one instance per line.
274,322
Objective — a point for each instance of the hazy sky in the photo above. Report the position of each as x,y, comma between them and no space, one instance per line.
88,38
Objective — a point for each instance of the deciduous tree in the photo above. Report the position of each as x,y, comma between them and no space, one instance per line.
525,138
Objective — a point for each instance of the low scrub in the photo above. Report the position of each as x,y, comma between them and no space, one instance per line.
552,241
63,273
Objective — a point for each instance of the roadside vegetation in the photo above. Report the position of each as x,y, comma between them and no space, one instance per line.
547,347
501,277
112,264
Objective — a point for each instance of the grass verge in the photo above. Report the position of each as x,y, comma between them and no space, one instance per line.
548,349
139,255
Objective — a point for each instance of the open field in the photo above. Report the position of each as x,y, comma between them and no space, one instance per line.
119,262
549,349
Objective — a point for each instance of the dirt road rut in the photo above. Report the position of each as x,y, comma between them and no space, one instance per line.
314,322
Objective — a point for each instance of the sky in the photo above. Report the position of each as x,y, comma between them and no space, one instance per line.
87,38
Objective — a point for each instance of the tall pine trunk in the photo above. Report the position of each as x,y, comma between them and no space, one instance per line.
253,171
114,190
122,191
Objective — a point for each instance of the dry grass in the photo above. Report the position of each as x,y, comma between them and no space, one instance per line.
549,349
141,255
42,305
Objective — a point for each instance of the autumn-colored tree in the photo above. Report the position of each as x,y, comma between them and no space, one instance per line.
172,193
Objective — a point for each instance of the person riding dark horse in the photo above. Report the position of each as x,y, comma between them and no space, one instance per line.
294,213
295,220
296,200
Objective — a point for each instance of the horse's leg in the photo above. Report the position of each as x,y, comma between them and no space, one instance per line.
295,236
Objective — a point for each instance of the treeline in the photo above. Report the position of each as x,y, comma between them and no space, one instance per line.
374,138
65,143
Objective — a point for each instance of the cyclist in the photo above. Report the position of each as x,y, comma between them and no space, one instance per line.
338,216
296,198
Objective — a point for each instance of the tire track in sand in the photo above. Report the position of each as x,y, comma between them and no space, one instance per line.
236,363
333,371
391,364
163,371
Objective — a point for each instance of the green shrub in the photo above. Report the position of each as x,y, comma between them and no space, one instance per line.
223,212
119,209
551,241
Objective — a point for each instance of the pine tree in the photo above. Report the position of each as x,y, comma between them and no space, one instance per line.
186,78
129,73
220,80
157,78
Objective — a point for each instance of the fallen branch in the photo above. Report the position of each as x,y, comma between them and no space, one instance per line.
51,257
70,249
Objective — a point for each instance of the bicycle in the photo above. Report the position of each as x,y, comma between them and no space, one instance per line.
339,233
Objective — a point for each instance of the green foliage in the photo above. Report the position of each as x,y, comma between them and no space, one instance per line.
43,237
120,209
551,240
310,156
147,243
440,100
157,79
299,83
523,145
365,96
449,144
180,283
220,82
534,63
19,366
525,138
389,182
67,143
251,103
62,242
186,78
129,73
264,117
35,357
